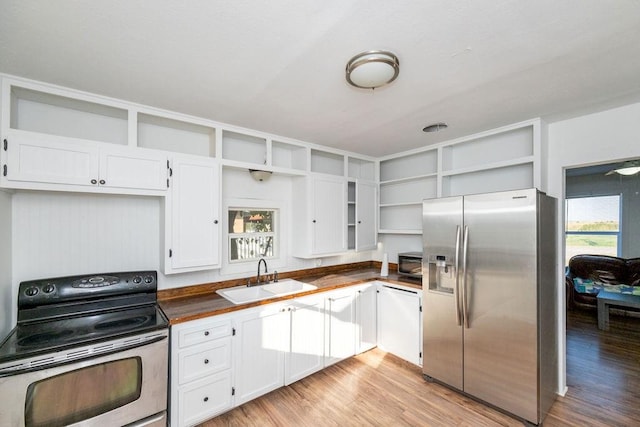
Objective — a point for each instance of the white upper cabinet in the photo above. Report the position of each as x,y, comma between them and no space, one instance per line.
319,215
192,218
133,168
33,157
36,158
366,227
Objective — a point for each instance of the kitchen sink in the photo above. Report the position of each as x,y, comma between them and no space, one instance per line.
246,294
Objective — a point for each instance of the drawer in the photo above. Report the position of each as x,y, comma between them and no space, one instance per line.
206,331
204,399
204,359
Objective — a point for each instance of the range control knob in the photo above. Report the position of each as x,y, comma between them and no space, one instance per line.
48,288
148,279
137,279
31,292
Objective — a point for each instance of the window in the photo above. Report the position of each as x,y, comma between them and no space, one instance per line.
252,234
592,226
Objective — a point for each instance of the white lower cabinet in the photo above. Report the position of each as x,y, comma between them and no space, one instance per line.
366,322
306,349
400,322
341,334
259,348
223,361
201,378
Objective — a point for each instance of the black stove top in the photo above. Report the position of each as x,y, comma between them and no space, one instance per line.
57,314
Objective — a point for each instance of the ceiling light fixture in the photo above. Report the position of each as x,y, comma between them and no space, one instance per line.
436,127
260,175
372,69
627,168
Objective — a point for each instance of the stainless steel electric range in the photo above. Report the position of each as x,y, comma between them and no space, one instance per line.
86,350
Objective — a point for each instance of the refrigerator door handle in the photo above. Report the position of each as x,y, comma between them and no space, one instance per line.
456,289
465,302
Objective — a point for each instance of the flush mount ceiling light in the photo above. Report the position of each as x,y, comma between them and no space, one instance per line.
436,127
260,175
372,69
630,167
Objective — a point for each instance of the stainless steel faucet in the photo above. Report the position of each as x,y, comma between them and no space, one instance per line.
265,269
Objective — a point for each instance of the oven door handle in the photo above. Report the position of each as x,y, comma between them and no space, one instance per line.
98,350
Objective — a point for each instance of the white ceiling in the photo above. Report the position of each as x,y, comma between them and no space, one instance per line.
278,66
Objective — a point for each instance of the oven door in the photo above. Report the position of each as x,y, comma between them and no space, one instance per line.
128,387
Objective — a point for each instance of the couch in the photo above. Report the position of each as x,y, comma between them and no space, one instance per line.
587,275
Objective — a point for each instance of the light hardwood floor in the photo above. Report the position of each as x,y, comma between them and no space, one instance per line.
379,389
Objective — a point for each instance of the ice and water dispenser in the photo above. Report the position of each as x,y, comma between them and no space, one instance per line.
442,273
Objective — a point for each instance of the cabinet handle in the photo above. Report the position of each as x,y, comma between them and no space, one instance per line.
206,399
6,143
359,222
206,361
314,221
206,333
102,182
94,181
215,221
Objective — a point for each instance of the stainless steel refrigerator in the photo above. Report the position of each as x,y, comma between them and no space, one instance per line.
489,298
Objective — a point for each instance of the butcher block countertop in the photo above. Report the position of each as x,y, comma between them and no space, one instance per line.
200,301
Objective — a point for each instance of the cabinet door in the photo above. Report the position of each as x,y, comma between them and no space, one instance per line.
133,168
329,215
399,323
306,351
366,207
205,398
366,318
195,224
341,335
51,160
261,342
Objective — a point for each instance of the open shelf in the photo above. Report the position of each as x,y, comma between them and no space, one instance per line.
48,113
162,133
325,162
479,153
244,148
409,166
501,179
361,169
289,156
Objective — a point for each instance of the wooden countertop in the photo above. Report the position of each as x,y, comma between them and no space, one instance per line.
194,305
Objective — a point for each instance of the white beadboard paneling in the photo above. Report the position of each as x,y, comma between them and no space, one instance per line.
6,295
58,234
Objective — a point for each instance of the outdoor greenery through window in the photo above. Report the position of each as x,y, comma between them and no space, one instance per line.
252,234
592,226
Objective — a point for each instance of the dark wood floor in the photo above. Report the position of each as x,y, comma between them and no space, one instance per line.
379,389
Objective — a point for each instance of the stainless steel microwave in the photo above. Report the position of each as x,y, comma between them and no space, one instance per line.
410,264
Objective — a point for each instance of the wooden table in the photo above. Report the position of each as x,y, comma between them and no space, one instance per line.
607,299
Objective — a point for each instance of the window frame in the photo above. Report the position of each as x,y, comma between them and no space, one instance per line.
274,234
618,233
280,229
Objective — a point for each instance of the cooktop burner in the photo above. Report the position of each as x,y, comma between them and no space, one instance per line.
44,338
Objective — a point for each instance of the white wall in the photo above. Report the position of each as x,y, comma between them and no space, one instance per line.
6,298
602,137
58,234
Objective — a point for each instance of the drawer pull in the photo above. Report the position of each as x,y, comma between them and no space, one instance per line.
206,399
206,333
206,361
